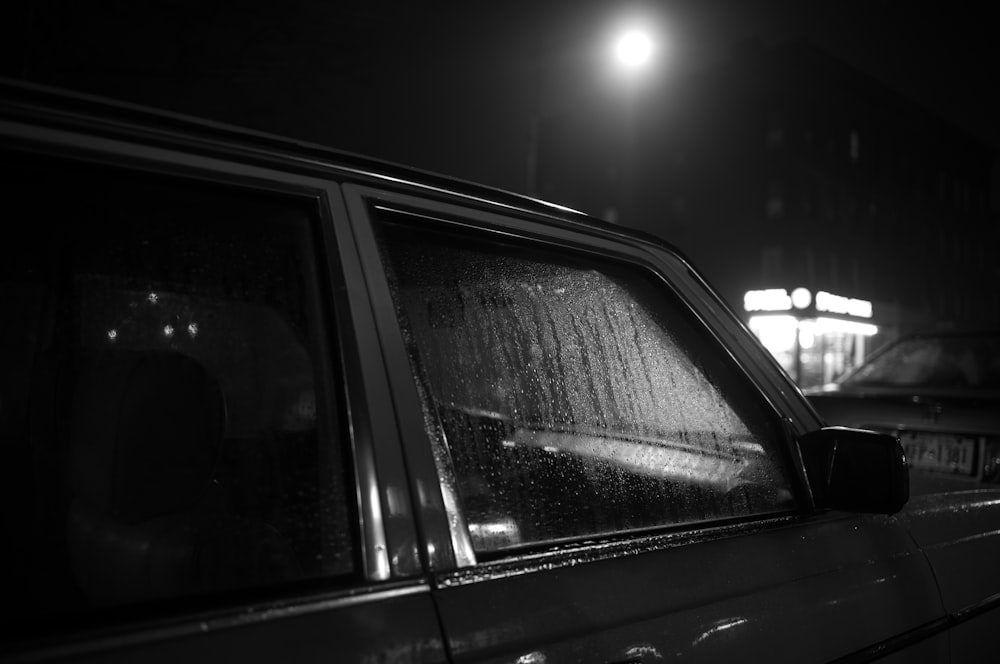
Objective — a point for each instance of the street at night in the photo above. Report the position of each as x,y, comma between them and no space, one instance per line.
534,333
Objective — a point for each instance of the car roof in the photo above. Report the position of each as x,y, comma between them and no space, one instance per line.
56,106
61,108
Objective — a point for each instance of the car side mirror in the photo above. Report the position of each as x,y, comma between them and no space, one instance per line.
856,470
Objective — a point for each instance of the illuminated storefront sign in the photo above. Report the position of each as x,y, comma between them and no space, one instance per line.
773,299
801,298
815,337
778,299
836,304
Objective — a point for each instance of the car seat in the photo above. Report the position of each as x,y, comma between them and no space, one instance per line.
146,519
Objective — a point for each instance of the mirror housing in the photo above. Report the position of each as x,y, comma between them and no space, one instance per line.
856,470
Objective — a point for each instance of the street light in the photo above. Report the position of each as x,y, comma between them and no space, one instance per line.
634,49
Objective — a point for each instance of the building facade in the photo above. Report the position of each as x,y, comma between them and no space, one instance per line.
787,169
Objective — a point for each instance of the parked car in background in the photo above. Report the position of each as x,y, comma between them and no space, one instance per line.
940,393
264,401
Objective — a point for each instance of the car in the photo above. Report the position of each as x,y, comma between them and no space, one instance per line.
939,392
267,401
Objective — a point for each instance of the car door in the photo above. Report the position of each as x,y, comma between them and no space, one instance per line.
958,531
601,479
195,463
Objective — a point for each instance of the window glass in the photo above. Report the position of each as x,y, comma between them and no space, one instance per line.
165,427
960,361
574,397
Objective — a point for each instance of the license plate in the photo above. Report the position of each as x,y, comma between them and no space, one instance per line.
939,452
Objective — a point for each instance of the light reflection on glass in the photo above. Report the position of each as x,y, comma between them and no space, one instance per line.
536,657
497,533
642,653
718,627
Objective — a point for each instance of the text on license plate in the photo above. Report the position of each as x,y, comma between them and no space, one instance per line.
939,452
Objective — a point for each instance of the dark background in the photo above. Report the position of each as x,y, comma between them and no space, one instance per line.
455,88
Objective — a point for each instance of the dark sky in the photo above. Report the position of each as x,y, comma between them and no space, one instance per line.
480,66
942,56
448,85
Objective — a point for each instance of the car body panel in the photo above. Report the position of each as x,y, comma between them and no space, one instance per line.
958,532
865,580
390,625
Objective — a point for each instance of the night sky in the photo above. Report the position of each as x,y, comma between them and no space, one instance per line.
943,59
449,86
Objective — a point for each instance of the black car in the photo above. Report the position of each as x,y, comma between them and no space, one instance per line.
265,401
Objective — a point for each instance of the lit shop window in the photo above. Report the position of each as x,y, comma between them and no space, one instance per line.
815,337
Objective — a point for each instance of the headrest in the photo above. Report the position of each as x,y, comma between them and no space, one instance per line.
147,431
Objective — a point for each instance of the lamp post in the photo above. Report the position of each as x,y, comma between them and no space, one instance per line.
634,56
632,52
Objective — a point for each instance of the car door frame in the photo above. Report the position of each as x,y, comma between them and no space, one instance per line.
448,550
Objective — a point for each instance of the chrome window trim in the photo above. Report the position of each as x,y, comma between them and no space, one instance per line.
425,491
608,547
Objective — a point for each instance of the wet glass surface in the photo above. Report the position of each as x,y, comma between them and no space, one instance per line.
575,397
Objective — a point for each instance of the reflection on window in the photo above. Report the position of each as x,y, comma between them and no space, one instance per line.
568,397
160,403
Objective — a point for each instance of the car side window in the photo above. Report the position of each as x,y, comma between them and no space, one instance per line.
574,396
168,433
